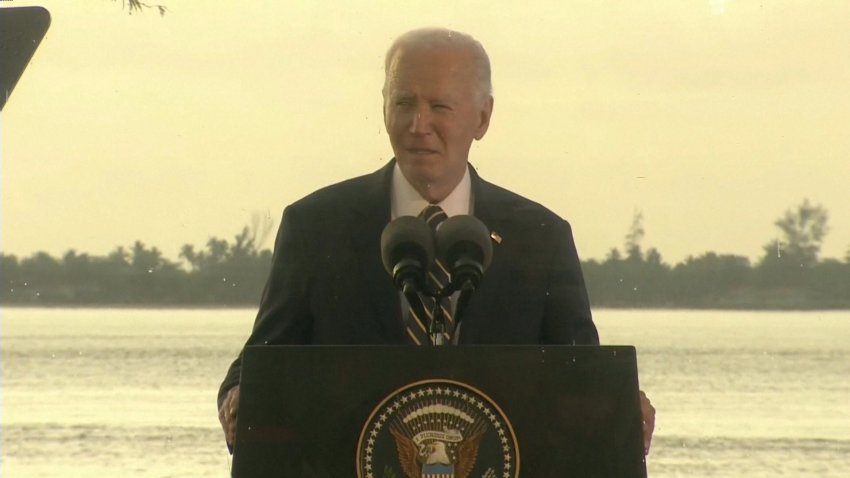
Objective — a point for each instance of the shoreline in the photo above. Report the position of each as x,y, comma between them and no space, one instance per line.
144,306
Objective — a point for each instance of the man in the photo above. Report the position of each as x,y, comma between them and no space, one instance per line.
327,284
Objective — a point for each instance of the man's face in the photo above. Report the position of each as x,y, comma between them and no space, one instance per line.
433,109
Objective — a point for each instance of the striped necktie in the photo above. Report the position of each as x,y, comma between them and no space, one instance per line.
437,278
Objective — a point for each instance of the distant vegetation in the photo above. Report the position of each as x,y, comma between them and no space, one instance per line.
223,274
789,275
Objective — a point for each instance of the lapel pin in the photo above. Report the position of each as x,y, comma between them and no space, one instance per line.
496,237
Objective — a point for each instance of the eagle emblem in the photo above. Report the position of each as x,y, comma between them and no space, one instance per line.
437,429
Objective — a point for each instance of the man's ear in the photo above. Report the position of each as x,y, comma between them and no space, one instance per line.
485,114
384,109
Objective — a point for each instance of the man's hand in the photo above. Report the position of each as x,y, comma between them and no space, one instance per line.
227,415
647,413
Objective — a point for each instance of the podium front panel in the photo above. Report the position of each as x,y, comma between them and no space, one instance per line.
403,411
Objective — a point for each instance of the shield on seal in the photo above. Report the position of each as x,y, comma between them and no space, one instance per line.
438,471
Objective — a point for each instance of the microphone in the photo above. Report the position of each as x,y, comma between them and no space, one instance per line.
407,248
463,244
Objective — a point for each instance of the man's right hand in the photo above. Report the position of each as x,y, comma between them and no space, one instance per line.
227,415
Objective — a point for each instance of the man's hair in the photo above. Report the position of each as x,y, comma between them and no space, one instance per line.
443,37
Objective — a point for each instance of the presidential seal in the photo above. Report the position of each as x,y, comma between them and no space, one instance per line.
437,429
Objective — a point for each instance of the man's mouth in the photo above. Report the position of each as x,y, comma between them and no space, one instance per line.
421,151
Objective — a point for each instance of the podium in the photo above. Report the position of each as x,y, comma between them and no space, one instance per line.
464,411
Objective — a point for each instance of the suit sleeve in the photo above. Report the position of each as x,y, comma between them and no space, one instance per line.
284,315
567,318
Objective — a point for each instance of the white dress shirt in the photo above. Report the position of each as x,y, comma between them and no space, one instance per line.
406,201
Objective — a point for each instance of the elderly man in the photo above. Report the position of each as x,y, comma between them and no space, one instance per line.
327,284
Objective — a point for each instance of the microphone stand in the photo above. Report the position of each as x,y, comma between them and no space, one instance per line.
411,293
466,276
437,328
466,290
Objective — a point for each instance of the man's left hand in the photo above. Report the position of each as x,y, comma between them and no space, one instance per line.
647,413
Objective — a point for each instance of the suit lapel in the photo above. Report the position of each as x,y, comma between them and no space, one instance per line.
497,214
371,213
494,212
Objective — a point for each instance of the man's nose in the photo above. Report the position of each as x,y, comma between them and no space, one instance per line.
421,121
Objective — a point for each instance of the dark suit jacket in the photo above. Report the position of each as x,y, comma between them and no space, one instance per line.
328,285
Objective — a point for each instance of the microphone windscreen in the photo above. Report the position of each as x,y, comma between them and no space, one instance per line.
406,237
464,235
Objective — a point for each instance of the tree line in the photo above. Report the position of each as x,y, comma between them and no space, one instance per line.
789,275
222,274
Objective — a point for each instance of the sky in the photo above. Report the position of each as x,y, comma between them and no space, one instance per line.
711,118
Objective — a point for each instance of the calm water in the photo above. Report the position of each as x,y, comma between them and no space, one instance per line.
131,393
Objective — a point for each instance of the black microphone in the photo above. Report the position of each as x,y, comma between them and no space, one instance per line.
463,244
407,248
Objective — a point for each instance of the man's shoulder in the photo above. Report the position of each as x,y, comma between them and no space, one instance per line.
368,187
508,203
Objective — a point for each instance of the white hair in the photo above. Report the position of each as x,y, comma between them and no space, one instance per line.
443,37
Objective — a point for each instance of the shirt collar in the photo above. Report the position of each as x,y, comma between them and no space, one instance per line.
407,202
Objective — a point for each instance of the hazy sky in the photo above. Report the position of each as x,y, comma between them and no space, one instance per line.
711,117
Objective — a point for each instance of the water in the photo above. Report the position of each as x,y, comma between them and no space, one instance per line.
743,394
126,393
131,393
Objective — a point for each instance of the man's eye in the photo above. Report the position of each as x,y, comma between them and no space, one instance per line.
441,106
